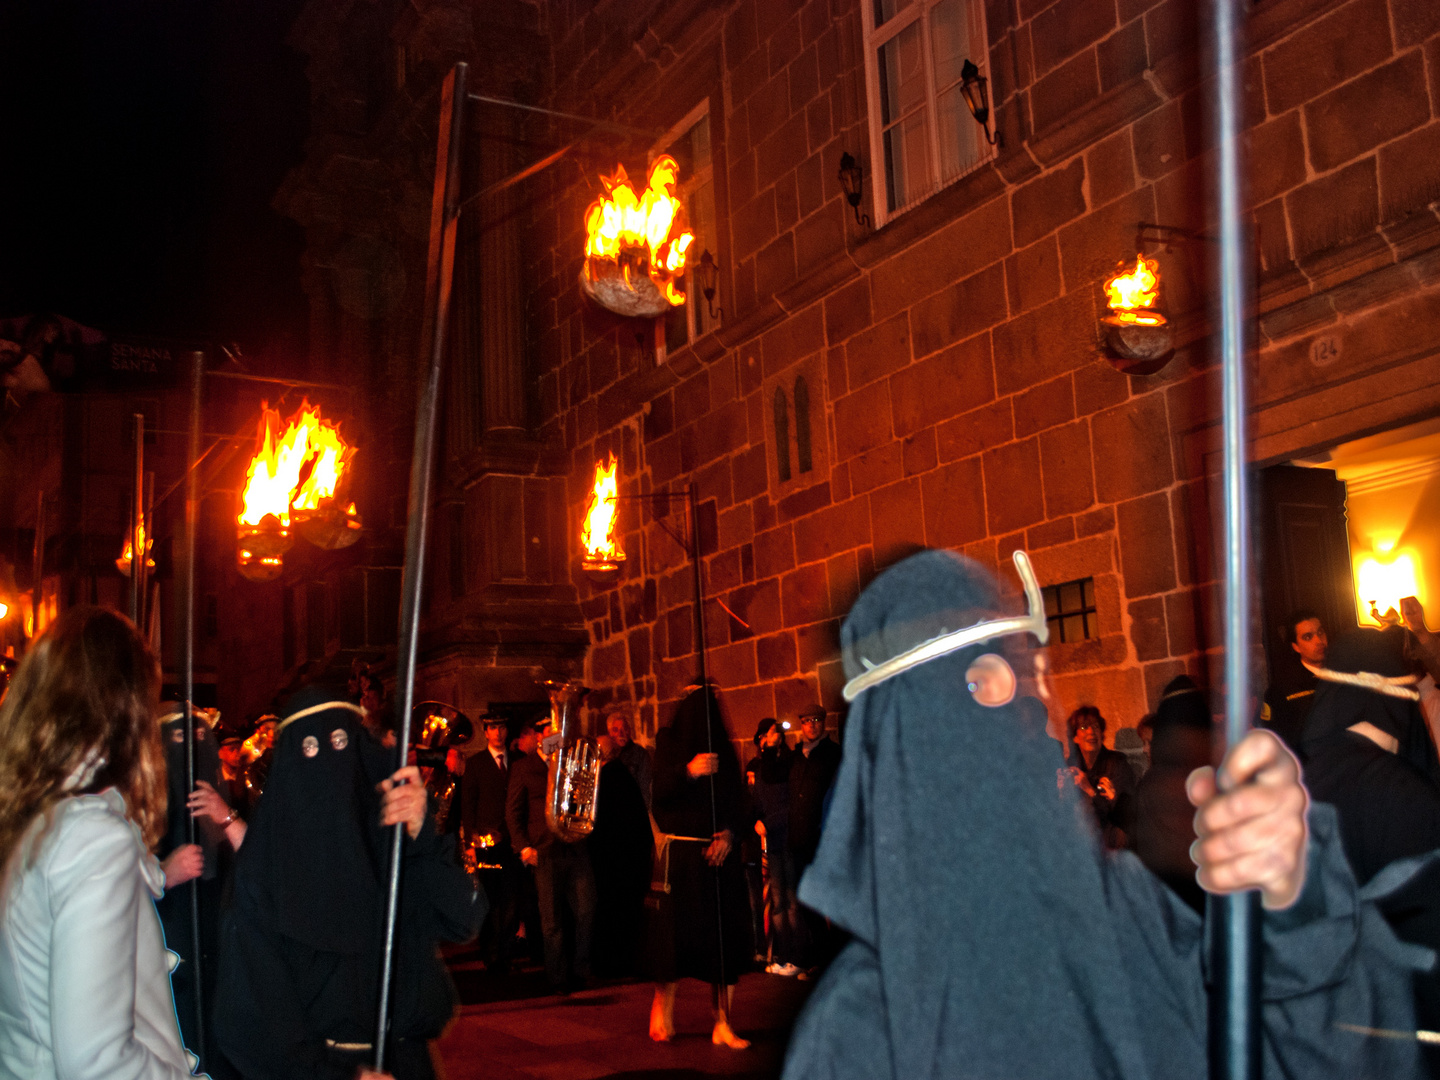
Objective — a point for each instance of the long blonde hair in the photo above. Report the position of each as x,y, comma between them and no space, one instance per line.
86,693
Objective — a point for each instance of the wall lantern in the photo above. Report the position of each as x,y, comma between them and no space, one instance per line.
852,179
976,89
1138,337
635,245
599,533
298,477
708,273
1383,579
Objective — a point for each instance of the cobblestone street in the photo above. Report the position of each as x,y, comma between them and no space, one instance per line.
509,1029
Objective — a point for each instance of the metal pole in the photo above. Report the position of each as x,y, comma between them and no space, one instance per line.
1235,1023
693,507
137,523
444,213
37,564
187,671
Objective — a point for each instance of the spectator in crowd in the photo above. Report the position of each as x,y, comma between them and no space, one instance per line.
1369,754
84,979
1288,699
622,851
298,989
620,726
485,834
1163,824
772,798
700,929
812,771
1027,951
563,876
1103,775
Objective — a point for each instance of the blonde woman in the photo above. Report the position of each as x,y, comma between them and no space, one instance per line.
84,978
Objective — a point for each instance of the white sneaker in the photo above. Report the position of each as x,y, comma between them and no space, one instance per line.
789,971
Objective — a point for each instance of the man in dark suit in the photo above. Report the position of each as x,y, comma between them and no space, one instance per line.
562,871
811,775
483,830
1288,700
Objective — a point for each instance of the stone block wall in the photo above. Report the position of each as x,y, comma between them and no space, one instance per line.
955,371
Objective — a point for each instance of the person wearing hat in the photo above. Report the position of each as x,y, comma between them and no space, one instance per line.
300,943
992,934
481,800
817,760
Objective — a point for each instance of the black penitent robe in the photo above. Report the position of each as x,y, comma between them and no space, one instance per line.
688,935
621,852
991,945
300,943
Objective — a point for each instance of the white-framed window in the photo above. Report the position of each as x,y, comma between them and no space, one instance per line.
922,136
688,142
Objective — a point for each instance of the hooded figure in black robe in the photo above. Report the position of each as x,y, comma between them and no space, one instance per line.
993,938
300,943
1388,800
622,853
174,906
694,940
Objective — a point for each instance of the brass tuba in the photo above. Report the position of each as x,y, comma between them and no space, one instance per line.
574,784
439,728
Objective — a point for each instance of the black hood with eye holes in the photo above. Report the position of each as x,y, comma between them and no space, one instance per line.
311,865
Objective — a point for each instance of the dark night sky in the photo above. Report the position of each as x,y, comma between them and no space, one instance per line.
143,141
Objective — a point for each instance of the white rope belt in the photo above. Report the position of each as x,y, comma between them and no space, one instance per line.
1401,686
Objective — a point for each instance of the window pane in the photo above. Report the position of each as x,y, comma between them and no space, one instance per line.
902,74
700,143
1052,600
961,145
949,41
701,208
1070,597
885,10
907,160
1089,586
1073,628
677,330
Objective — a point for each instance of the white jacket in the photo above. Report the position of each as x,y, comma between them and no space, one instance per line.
84,972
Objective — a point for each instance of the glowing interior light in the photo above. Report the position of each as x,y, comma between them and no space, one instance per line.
1383,584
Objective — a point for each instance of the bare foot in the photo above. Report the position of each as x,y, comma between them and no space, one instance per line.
724,1036
662,1027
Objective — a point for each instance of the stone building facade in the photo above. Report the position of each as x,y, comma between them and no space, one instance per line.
955,391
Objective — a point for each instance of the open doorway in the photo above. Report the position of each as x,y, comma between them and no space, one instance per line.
1348,531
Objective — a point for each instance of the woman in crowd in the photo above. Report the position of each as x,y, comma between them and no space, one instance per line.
300,942
1103,775
702,930
84,975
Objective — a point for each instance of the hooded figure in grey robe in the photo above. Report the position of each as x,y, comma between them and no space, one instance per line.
994,938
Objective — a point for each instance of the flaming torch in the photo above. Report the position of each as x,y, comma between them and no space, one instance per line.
598,535
299,476
635,245
1139,337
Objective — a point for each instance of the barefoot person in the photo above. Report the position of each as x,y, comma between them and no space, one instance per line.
993,936
84,975
702,930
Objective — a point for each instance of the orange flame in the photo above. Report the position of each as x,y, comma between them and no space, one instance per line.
1132,295
279,480
602,547
622,225
127,556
